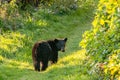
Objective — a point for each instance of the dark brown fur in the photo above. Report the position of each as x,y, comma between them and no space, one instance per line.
45,51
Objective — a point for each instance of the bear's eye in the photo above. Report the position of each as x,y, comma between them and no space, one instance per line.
63,44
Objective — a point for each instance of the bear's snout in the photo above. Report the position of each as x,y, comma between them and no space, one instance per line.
63,50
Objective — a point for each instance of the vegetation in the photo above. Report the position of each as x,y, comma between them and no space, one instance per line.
102,42
21,27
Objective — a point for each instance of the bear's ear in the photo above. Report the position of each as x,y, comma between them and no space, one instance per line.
56,40
65,39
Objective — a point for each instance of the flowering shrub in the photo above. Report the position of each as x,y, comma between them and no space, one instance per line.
112,68
102,42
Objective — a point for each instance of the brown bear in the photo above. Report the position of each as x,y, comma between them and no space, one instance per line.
45,51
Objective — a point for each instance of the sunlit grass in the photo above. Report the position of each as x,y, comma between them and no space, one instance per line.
42,23
15,64
1,59
10,42
76,58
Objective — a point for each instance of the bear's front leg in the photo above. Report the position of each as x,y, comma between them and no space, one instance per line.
54,59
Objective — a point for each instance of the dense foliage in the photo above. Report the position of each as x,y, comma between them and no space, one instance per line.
12,17
102,42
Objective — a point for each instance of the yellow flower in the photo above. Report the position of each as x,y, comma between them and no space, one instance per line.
102,22
106,70
94,23
114,70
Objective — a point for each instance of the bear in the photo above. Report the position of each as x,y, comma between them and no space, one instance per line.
45,51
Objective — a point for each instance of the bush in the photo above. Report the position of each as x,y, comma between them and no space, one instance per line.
64,6
9,16
103,40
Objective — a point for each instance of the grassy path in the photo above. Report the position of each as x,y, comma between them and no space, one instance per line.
71,63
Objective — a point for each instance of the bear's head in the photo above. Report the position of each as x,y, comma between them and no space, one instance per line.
60,44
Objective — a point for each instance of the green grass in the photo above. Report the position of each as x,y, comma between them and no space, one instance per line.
16,60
